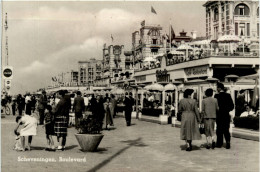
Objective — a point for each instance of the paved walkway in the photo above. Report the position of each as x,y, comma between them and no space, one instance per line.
142,147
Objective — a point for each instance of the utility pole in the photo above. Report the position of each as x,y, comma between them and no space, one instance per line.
6,39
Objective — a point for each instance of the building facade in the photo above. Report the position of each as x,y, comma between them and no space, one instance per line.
239,18
89,71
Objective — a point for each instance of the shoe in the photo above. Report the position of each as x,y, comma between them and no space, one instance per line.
213,145
188,149
227,145
208,147
60,148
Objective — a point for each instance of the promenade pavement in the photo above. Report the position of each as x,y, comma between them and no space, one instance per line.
142,147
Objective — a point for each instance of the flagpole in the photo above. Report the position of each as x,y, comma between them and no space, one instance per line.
170,36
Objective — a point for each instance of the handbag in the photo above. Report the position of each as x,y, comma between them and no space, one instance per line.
179,116
202,129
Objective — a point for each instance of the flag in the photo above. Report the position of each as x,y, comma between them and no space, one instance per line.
153,10
172,33
112,38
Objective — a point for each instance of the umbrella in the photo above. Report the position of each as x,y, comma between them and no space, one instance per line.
195,81
229,39
231,77
212,79
184,47
147,87
169,87
157,87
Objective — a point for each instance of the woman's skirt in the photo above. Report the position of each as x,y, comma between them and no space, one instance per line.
209,124
189,126
60,126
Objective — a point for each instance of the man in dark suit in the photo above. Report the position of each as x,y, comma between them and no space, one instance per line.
226,105
78,107
42,103
128,109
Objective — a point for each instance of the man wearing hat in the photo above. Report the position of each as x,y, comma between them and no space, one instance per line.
226,105
42,103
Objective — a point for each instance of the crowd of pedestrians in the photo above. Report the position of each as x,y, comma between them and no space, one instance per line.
54,115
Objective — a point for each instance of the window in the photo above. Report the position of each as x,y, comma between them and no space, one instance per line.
248,29
242,10
154,41
257,12
241,29
236,28
215,14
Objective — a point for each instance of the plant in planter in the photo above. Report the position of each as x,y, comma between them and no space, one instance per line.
89,136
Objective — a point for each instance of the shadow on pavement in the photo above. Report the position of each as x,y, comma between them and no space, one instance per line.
194,147
136,142
37,148
70,147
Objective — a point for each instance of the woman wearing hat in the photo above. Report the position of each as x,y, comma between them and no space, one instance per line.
189,119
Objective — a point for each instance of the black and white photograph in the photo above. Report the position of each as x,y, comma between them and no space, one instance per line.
130,86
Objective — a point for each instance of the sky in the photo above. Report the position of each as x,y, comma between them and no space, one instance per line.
46,38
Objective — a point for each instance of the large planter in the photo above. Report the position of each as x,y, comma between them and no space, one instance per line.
89,142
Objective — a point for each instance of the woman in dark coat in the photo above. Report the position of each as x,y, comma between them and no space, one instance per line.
189,119
61,120
99,109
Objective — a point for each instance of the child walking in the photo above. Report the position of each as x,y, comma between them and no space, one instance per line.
29,129
49,127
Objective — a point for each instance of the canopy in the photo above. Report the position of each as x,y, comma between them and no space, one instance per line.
117,91
174,52
149,59
253,76
229,39
184,47
201,42
159,55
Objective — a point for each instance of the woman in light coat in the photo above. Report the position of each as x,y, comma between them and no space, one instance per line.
190,119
